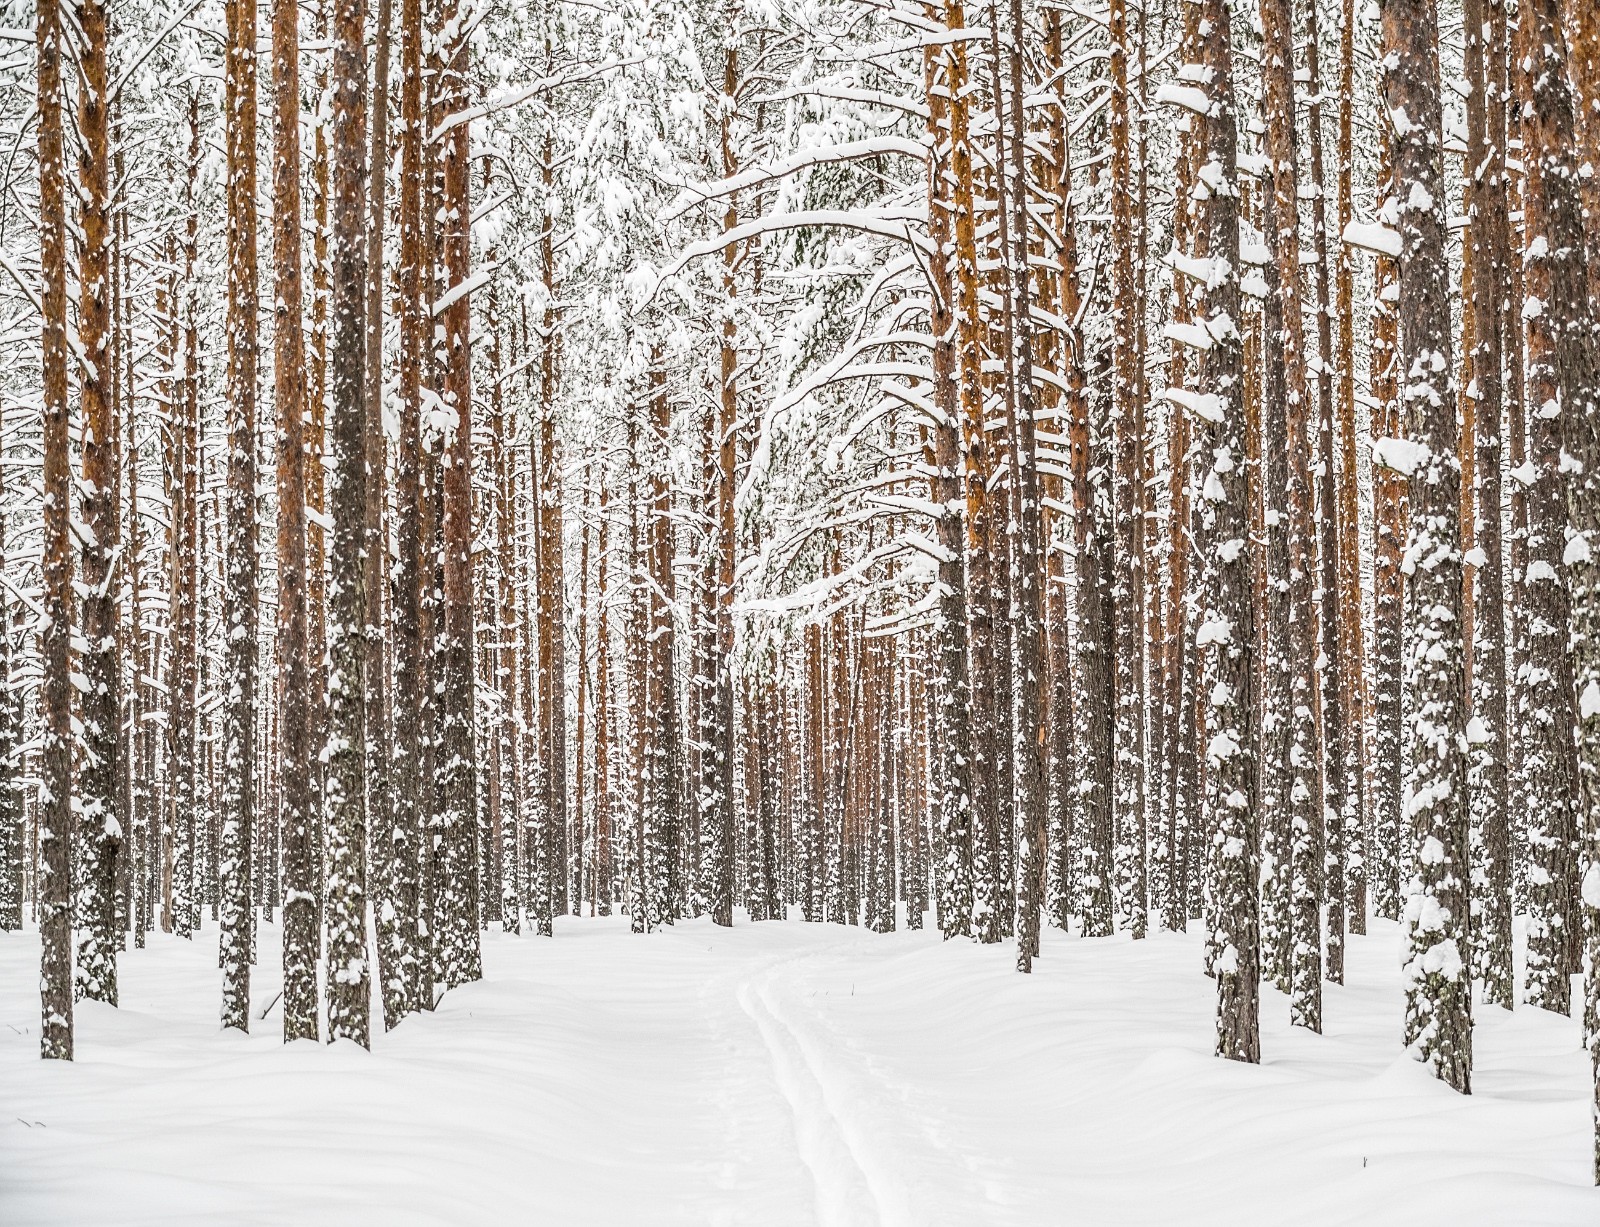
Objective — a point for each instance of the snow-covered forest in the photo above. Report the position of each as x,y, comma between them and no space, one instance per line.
496,498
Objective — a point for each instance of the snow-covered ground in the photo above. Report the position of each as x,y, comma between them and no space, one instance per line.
783,1074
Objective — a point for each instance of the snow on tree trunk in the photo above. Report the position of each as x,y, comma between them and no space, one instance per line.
1438,1027
99,842
1552,274
295,752
1227,630
55,794
349,972
1489,254
240,615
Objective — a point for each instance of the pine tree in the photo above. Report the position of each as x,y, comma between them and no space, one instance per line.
382,889
344,798
292,647
12,842
1228,626
1546,668
55,799
1438,981
1127,576
1563,352
411,576
1305,810
1489,256
456,759
954,886
239,596
99,842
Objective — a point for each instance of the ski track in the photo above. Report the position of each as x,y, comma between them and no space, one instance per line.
845,1189
790,1075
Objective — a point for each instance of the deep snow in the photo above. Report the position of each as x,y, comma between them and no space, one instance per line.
783,1074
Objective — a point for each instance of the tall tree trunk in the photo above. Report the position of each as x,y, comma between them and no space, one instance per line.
1547,678
239,598
292,648
457,764
100,839
1581,439
1437,977
1127,579
1027,758
1229,622
1305,754
720,838
954,885
12,848
55,715
382,889
1335,801
345,800
1488,254
1389,517
604,718
182,732
411,576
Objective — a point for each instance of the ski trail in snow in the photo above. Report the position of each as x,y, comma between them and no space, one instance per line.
847,1194
907,1138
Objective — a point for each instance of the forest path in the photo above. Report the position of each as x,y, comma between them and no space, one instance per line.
786,1075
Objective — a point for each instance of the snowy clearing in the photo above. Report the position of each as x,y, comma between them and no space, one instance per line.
783,1074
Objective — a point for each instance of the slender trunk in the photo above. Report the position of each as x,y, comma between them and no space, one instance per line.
1305,754
1351,576
54,813
382,885
954,885
1488,253
1229,598
1127,578
1547,694
295,821
99,841
1438,982
414,971
456,762
239,598
182,733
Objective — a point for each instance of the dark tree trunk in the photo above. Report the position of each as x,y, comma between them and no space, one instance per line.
1437,975
345,800
239,596
99,839
300,939
54,813
1228,626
